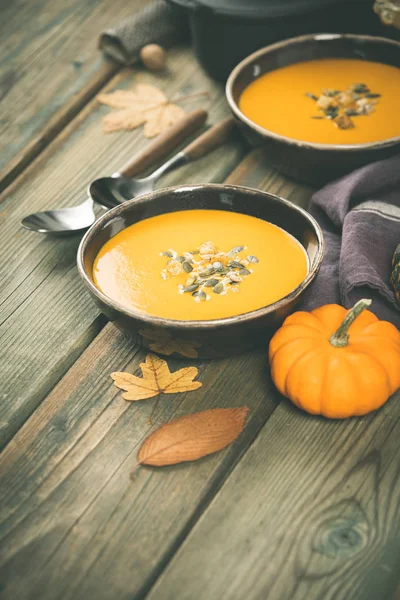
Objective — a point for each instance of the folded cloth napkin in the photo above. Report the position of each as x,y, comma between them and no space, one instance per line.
157,23
360,217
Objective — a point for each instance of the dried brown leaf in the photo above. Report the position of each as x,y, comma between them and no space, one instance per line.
123,119
192,437
146,104
160,118
157,379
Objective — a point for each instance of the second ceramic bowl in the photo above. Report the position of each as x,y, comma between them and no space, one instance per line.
306,161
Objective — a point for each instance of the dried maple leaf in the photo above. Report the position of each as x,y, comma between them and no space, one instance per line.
192,437
146,104
157,379
163,342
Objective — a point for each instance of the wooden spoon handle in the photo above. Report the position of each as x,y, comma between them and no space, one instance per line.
212,138
164,143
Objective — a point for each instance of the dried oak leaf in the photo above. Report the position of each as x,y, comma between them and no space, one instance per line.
146,104
163,342
157,379
192,437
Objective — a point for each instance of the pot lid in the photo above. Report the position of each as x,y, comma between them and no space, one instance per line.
259,8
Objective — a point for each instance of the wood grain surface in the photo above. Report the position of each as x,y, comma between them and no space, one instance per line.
71,511
298,508
50,68
311,511
46,316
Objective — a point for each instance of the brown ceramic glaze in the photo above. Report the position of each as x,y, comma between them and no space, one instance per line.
203,339
306,161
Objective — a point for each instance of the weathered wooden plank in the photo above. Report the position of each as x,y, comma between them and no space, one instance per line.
46,317
74,525
70,511
311,511
50,67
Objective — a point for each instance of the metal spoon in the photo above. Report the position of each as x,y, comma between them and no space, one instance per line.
77,218
111,191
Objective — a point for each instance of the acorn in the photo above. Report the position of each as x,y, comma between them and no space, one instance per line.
153,57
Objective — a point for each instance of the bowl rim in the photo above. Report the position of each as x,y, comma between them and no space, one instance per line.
317,37
204,324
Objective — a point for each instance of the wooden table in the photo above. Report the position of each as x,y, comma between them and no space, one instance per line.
298,508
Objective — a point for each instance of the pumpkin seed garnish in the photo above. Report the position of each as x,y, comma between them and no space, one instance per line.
235,264
235,250
219,288
207,273
210,282
200,295
191,280
339,105
360,88
186,266
210,269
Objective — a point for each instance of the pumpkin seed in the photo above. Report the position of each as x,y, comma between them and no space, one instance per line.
217,265
209,271
218,288
234,276
244,272
180,259
200,295
186,266
312,96
191,288
194,251
235,250
351,112
253,259
369,95
331,112
360,88
169,254
331,93
317,117
235,264
210,282
191,279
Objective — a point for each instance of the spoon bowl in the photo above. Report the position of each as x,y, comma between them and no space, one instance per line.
62,221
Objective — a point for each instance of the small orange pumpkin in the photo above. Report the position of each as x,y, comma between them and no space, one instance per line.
334,362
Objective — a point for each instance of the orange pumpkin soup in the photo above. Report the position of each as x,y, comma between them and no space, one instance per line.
328,101
200,264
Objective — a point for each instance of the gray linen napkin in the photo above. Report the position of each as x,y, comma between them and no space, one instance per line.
360,217
157,23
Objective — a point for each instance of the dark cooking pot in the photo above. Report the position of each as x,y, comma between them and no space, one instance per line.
226,31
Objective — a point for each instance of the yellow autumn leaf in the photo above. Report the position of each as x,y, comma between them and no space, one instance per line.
157,379
146,104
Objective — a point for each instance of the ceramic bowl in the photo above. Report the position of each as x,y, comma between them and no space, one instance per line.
307,161
213,338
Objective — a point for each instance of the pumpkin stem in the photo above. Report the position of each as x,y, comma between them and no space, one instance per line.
341,337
